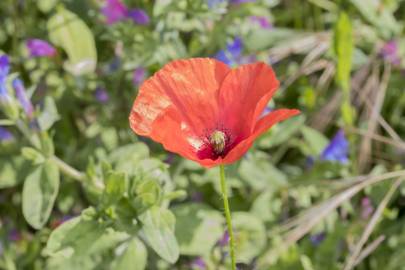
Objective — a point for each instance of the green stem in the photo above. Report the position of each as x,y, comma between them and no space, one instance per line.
68,170
63,166
227,215
23,128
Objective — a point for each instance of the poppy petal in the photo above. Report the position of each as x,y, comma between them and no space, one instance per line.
191,86
179,103
244,94
185,141
261,126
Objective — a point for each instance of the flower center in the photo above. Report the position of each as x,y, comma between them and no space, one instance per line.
218,141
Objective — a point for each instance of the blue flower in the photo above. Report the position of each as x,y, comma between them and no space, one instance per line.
22,97
114,65
316,239
5,135
4,70
4,66
337,149
139,16
232,54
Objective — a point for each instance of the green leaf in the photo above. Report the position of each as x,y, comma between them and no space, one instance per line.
46,5
267,207
68,31
80,237
148,193
33,155
47,146
135,254
260,174
12,171
343,46
250,236
260,39
123,158
315,140
158,231
379,15
281,132
115,187
193,221
39,194
49,114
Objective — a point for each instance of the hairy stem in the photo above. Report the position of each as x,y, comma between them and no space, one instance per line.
227,215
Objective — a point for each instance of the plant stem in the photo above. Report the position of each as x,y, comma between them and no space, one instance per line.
68,170
227,215
63,166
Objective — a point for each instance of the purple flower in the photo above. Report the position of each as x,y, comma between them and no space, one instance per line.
39,47
337,149
5,135
139,75
114,11
139,16
232,54
316,239
198,263
22,97
14,235
262,21
223,242
366,208
101,95
390,52
4,70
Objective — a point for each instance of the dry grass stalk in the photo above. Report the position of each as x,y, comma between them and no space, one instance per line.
351,261
301,225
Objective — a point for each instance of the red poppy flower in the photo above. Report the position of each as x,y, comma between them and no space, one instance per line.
205,111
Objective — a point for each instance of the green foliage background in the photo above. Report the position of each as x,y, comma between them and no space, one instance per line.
84,192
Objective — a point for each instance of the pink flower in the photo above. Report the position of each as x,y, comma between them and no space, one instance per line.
114,11
262,21
390,53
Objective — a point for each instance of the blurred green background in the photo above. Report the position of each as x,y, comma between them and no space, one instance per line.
79,190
